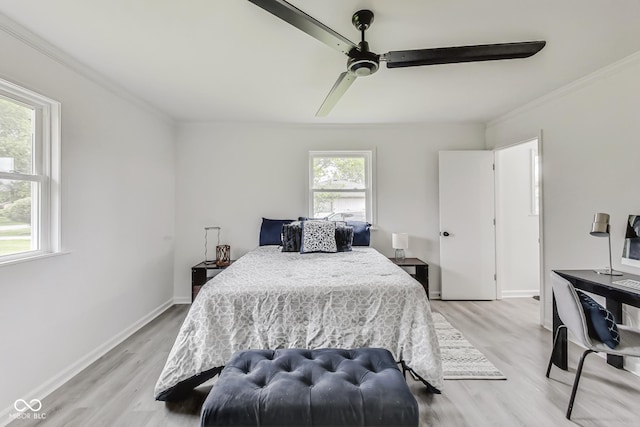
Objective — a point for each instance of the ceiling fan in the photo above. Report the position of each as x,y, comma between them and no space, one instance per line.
363,62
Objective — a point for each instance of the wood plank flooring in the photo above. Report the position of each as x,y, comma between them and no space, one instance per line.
117,390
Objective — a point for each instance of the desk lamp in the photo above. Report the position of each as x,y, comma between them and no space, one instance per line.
600,228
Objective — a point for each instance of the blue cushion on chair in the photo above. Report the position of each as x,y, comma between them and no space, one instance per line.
600,321
271,231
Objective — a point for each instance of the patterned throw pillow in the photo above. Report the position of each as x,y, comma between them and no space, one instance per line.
600,321
318,236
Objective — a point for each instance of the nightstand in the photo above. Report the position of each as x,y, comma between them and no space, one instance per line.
422,270
199,276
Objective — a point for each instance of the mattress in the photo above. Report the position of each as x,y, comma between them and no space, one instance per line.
270,299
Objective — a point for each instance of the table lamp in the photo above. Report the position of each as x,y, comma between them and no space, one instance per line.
400,242
600,228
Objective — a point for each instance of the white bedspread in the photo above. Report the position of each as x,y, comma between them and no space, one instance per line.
270,299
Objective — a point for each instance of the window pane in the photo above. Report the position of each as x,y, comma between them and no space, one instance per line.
16,144
340,206
339,173
15,217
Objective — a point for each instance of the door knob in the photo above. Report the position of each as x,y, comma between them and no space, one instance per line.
445,234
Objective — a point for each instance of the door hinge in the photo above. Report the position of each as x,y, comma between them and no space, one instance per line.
495,277
494,166
494,221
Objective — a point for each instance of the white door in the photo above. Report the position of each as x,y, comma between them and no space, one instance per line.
467,236
517,220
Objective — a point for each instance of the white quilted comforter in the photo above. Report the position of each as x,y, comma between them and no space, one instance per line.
270,299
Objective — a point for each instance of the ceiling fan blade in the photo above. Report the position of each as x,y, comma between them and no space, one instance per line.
339,88
451,55
306,23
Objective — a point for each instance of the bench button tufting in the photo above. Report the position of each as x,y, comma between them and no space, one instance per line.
392,395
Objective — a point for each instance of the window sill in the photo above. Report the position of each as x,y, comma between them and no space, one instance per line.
31,258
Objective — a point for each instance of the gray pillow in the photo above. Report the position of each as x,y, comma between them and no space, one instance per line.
291,235
344,238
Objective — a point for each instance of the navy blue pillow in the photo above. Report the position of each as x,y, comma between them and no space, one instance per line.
271,230
600,321
361,235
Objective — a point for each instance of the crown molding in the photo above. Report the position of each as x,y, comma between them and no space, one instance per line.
568,88
43,46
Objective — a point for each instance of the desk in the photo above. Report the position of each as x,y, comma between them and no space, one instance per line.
600,284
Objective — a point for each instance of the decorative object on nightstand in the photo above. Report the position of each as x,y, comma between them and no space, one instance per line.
400,242
223,255
600,228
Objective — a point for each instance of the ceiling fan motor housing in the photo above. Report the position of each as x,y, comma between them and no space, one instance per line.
362,62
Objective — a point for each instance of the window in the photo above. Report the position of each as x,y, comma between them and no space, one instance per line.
29,173
341,185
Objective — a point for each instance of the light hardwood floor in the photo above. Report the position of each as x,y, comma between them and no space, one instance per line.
117,390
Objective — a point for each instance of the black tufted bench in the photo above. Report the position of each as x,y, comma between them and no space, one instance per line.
324,387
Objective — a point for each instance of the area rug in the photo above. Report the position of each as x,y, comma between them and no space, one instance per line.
461,360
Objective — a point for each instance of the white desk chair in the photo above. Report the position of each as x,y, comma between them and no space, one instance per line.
572,315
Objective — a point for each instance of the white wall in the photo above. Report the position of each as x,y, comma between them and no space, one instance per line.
232,175
58,313
590,153
517,249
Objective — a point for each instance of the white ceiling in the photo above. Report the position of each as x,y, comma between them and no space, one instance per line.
228,60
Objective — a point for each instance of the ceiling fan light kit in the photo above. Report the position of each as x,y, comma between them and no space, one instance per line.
362,62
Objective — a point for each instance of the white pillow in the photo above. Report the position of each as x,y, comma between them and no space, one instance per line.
318,236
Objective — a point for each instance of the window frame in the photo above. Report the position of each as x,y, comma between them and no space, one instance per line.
45,175
369,171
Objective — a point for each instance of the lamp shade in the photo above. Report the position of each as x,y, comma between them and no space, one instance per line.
400,240
600,226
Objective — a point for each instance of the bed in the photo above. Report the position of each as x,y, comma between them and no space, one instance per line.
270,299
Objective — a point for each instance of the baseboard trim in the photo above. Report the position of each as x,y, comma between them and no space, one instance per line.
74,369
520,294
182,300
434,295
